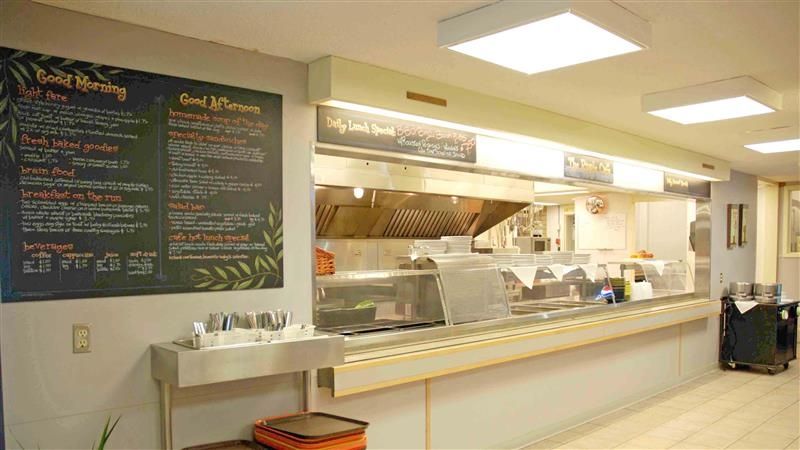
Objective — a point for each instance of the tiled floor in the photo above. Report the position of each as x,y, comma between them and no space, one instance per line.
738,409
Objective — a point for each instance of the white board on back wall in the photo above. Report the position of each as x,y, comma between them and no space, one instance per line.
601,231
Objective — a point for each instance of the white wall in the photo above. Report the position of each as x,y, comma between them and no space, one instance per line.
56,399
662,228
767,235
788,267
617,204
738,263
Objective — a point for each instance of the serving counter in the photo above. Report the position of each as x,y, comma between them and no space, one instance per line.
433,353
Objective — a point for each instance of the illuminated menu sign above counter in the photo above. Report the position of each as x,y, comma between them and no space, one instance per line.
121,182
588,168
677,184
371,131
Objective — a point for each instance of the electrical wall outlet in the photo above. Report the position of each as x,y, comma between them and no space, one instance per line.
81,338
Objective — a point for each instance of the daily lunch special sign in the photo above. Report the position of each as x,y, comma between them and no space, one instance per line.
121,182
360,129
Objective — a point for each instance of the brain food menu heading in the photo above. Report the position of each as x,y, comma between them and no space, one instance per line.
120,182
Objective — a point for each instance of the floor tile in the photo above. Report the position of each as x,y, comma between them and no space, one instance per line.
566,436
544,444
668,432
712,439
617,435
589,442
766,440
732,409
686,445
646,441
779,429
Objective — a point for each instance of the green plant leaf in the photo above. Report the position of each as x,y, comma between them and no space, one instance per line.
218,287
271,221
18,53
99,75
3,125
67,62
22,70
245,284
3,104
58,72
203,271
279,231
260,263
107,433
234,271
221,273
10,153
279,241
245,267
267,239
272,263
260,283
204,284
13,129
43,58
272,208
114,71
35,66
17,76
280,255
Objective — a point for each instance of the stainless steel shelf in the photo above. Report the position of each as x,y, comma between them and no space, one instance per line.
180,366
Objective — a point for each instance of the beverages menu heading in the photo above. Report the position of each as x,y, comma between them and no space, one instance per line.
121,182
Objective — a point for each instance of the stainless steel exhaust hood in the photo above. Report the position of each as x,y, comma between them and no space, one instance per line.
393,214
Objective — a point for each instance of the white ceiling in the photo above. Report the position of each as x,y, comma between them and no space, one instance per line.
693,42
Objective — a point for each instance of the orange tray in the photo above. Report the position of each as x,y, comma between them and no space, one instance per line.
277,443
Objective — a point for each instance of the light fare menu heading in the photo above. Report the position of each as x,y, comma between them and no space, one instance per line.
120,182
359,129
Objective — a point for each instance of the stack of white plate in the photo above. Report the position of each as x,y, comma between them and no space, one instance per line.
503,259
458,244
561,257
482,243
526,259
581,258
430,247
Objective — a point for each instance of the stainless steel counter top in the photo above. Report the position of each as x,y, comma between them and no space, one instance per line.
359,348
180,366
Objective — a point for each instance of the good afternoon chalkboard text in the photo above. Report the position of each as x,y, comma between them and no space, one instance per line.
122,182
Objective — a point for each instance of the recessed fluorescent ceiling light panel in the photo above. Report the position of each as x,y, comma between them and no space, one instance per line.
535,36
710,102
788,145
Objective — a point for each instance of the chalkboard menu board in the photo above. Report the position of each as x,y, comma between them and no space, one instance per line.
588,168
360,129
121,182
683,185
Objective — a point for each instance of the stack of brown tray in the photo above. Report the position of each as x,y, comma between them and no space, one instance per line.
311,431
